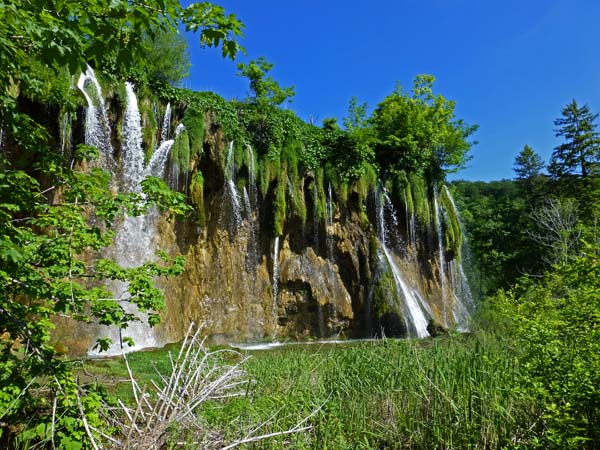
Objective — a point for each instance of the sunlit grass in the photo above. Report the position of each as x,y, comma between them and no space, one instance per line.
454,392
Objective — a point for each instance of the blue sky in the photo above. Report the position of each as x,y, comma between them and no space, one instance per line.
511,66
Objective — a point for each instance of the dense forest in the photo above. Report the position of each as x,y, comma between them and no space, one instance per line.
526,375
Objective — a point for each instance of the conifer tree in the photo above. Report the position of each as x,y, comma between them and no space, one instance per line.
580,153
528,166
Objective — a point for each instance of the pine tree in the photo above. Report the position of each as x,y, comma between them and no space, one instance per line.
528,166
580,153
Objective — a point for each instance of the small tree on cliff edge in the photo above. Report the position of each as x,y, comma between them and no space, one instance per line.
265,89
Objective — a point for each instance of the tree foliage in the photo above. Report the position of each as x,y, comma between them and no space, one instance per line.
556,322
418,132
265,90
580,153
54,218
528,166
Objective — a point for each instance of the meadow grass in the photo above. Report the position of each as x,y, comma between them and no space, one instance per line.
455,392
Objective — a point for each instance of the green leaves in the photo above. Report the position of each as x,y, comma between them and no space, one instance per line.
216,28
556,323
265,89
419,132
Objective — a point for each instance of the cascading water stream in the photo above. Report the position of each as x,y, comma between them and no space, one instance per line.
275,279
329,223
247,204
65,134
156,165
441,256
464,298
316,216
97,125
231,191
135,237
252,176
164,132
414,318
132,164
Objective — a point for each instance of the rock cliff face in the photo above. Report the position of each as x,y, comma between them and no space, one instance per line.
272,251
229,284
325,280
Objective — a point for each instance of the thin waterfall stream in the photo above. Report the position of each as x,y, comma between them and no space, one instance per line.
275,281
441,256
414,317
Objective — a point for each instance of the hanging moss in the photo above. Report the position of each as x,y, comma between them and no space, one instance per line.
320,201
366,183
250,160
149,125
279,205
341,193
239,152
268,170
410,205
197,196
180,152
383,290
290,154
453,231
193,119
298,204
420,199
65,128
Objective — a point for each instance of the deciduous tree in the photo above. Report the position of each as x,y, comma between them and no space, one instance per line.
419,132
45,203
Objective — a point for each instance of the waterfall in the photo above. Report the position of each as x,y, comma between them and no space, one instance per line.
133,156
174,175
158,161
275,279
329,223
164,132
462,290
97,125
410,223
252,176
135,237
253,257
441,255
247,204
414,317
65,133
231,192
316,216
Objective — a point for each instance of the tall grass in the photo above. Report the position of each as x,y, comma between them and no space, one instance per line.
456,392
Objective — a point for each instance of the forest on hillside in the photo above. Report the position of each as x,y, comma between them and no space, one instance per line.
525,375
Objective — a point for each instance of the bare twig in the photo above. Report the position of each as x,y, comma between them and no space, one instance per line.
88,431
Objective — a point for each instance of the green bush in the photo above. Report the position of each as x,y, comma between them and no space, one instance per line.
556,322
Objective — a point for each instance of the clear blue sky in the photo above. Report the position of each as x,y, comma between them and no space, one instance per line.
510,65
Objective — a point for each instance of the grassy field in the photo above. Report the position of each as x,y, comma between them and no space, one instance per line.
453,392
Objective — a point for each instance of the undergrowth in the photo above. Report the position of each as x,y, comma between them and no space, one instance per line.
456,392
